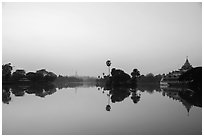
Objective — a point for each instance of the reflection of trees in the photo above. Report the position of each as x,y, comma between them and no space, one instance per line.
18,74
18,91
119,94
108,107
135,96
40,90
150,88
186,96
6,98
68,82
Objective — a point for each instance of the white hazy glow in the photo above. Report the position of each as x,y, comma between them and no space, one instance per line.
69,37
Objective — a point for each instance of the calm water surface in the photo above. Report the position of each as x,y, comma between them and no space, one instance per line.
92,110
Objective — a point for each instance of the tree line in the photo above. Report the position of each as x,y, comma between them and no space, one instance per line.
20,75
41,75
118,77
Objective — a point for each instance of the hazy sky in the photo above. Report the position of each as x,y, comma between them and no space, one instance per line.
69,37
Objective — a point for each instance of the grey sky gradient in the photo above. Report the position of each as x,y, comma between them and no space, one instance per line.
69,37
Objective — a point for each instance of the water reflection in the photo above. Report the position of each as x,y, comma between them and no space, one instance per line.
40,90
119,94
111,109
150,88
6,95
135,96
68,85
187,97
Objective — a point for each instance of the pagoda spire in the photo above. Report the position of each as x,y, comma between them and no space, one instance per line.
186,66
187,59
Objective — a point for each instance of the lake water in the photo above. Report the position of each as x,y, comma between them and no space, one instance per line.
93,110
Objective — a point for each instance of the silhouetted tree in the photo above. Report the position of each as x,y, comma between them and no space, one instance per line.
135,73
50,76
119,77
158,77
18,74
31,76
113,71
42,75
6,71
150,75
43,72
108,63
150,78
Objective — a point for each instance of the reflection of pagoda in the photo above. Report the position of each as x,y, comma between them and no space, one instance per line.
187,105
174,94
172,77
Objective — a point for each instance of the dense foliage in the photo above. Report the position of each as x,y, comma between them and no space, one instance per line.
20,75
150,78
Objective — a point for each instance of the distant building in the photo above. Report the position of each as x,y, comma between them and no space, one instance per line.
172,77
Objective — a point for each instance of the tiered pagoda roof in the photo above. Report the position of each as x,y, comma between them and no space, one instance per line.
186,65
